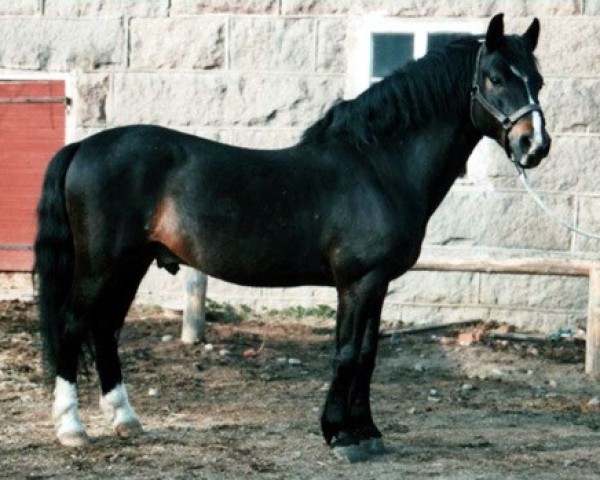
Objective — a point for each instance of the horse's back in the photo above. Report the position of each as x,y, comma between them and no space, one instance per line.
233,212
256,217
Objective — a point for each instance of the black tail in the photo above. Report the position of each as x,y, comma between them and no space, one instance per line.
54,255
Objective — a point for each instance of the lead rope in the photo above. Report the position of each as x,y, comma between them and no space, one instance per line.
551,213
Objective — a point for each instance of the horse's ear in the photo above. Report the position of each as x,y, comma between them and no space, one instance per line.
532,34
495,33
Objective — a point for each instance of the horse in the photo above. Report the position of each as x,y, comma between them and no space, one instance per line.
347,206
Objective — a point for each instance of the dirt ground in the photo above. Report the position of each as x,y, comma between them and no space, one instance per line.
484,411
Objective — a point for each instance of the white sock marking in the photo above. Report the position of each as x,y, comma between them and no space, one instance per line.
64,410
116,405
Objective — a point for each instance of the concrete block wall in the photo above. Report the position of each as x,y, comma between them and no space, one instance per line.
257,72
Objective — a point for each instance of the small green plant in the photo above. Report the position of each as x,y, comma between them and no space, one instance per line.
225,312
299,312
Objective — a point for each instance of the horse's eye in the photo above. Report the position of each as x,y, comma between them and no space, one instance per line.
496,80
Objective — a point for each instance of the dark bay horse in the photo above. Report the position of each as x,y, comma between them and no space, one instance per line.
347,207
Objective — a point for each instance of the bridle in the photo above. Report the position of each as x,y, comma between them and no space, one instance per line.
505,121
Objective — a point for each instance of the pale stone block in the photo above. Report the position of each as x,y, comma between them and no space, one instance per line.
281,101
273,293
272,44
537,320
568,46
549,8
499,219
92,92
571,167
15,286
539,291
331,53
589,220
420,314
488,165
48,44
193,7
435,287
439,8
407,8
522,318
266,139
177,43
159,287
299,7
325,295
592,7
391,312
222,100
145,8
95,8
551,322
20,7
572,105
81,133
169,99
299,293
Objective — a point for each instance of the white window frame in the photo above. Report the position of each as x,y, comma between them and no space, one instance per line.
360,39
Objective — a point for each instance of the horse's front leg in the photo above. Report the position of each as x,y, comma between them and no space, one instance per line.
361,418
358,302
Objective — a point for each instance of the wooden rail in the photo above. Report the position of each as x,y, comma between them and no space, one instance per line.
526,265
537,266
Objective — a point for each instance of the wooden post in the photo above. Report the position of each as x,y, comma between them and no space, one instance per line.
194,314
592,347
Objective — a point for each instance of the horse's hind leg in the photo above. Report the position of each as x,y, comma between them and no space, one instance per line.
70,429
118,296
97,305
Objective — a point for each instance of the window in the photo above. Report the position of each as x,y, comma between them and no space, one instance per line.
378,46
381,45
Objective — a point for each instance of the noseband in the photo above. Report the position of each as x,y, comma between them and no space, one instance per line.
505,121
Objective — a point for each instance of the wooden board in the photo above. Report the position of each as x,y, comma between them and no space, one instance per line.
32,129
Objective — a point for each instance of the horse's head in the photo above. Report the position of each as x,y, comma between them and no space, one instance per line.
504,97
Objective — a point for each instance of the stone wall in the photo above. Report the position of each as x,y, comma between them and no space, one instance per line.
257,72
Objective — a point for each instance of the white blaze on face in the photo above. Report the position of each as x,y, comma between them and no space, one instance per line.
538,138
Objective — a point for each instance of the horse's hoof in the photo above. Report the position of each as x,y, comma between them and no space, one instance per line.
131,428
350,453
374,445
73,439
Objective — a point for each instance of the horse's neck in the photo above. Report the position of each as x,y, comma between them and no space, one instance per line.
433,157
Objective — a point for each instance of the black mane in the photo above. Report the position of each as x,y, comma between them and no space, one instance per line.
436,84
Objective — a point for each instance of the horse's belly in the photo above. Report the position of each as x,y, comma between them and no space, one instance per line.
260,260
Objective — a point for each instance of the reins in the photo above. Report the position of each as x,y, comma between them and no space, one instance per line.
551,213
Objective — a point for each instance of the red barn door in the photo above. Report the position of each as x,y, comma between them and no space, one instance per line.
32,129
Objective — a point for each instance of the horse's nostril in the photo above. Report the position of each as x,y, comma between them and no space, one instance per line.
524,143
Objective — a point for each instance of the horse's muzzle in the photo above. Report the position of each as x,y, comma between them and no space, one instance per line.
528,149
